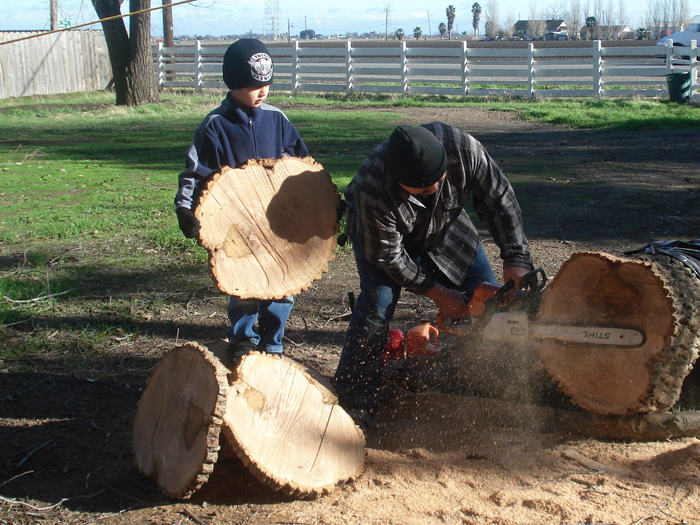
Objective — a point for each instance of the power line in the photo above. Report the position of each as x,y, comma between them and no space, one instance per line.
107,19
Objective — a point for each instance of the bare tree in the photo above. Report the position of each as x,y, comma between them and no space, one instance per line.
129,53
574,19
491,27
507,32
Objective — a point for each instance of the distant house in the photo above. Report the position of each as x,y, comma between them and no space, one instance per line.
538,29
613,33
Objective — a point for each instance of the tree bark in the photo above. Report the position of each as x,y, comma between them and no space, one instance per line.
129,54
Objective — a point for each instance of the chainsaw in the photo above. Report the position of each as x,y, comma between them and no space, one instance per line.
504,313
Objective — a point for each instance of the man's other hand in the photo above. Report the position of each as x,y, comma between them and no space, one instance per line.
516,273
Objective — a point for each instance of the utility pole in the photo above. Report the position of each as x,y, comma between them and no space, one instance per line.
168,36
430,32
386,23
54,15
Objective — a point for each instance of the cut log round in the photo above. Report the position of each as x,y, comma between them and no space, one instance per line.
288,428
656,295
178,420
270,226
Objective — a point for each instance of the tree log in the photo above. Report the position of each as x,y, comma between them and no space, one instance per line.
178,420
288,429
654,294
270,226
283,423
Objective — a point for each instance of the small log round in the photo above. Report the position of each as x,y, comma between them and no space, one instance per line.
178,420
656,295
269,226
288,428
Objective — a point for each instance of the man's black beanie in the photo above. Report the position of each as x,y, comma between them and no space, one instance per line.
415,157
247,63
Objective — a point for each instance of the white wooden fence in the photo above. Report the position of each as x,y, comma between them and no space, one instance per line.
450,68
66,62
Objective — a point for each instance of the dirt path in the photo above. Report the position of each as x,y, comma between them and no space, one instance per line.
442,458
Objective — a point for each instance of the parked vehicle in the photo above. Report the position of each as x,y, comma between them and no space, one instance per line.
683,38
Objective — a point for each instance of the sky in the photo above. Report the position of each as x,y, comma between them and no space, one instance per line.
231,17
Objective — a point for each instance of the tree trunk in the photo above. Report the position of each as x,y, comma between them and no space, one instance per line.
269,226
657,295
168,36
129,55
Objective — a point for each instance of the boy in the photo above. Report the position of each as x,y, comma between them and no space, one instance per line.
243,127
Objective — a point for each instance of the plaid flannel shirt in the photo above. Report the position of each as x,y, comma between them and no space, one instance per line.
394,227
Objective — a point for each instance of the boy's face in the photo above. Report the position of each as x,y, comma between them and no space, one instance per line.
251,97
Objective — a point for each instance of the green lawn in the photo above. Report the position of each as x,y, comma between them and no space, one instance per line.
86,194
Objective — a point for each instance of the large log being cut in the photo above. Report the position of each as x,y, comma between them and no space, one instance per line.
656,296
269,226
284,425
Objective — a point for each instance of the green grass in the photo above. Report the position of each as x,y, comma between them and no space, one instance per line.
89,243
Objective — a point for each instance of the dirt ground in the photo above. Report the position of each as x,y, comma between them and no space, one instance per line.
65,453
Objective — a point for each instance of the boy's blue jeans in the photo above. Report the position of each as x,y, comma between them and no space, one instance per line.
358,376
271,317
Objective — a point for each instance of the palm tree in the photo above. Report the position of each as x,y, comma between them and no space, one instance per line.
417,32
591,22
442,29
476,14
451,12
399,34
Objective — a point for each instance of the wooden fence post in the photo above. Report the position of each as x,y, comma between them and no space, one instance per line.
404,69
531,70
669,56
597,69
161,71
465,69
348,67
198,67
295,68
693,69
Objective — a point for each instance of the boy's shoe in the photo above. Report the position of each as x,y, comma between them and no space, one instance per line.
241,348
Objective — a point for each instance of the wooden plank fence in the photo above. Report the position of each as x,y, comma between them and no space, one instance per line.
453,68
66,62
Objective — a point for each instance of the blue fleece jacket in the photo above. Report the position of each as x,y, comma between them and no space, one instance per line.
231,135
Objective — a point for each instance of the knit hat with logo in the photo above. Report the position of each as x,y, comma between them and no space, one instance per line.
247,63
415,157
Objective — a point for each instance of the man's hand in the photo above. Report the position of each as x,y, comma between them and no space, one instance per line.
450,302
187,221
516,273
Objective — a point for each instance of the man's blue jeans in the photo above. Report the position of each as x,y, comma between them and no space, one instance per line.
358,376
271,317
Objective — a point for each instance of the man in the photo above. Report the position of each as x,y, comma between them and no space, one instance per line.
409,229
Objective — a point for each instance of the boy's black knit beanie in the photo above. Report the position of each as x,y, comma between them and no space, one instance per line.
247,63
415,157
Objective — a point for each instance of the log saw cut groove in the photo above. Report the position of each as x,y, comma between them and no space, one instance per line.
269,226
178,420
288,428
656,295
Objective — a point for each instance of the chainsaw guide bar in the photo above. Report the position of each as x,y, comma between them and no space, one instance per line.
514,327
